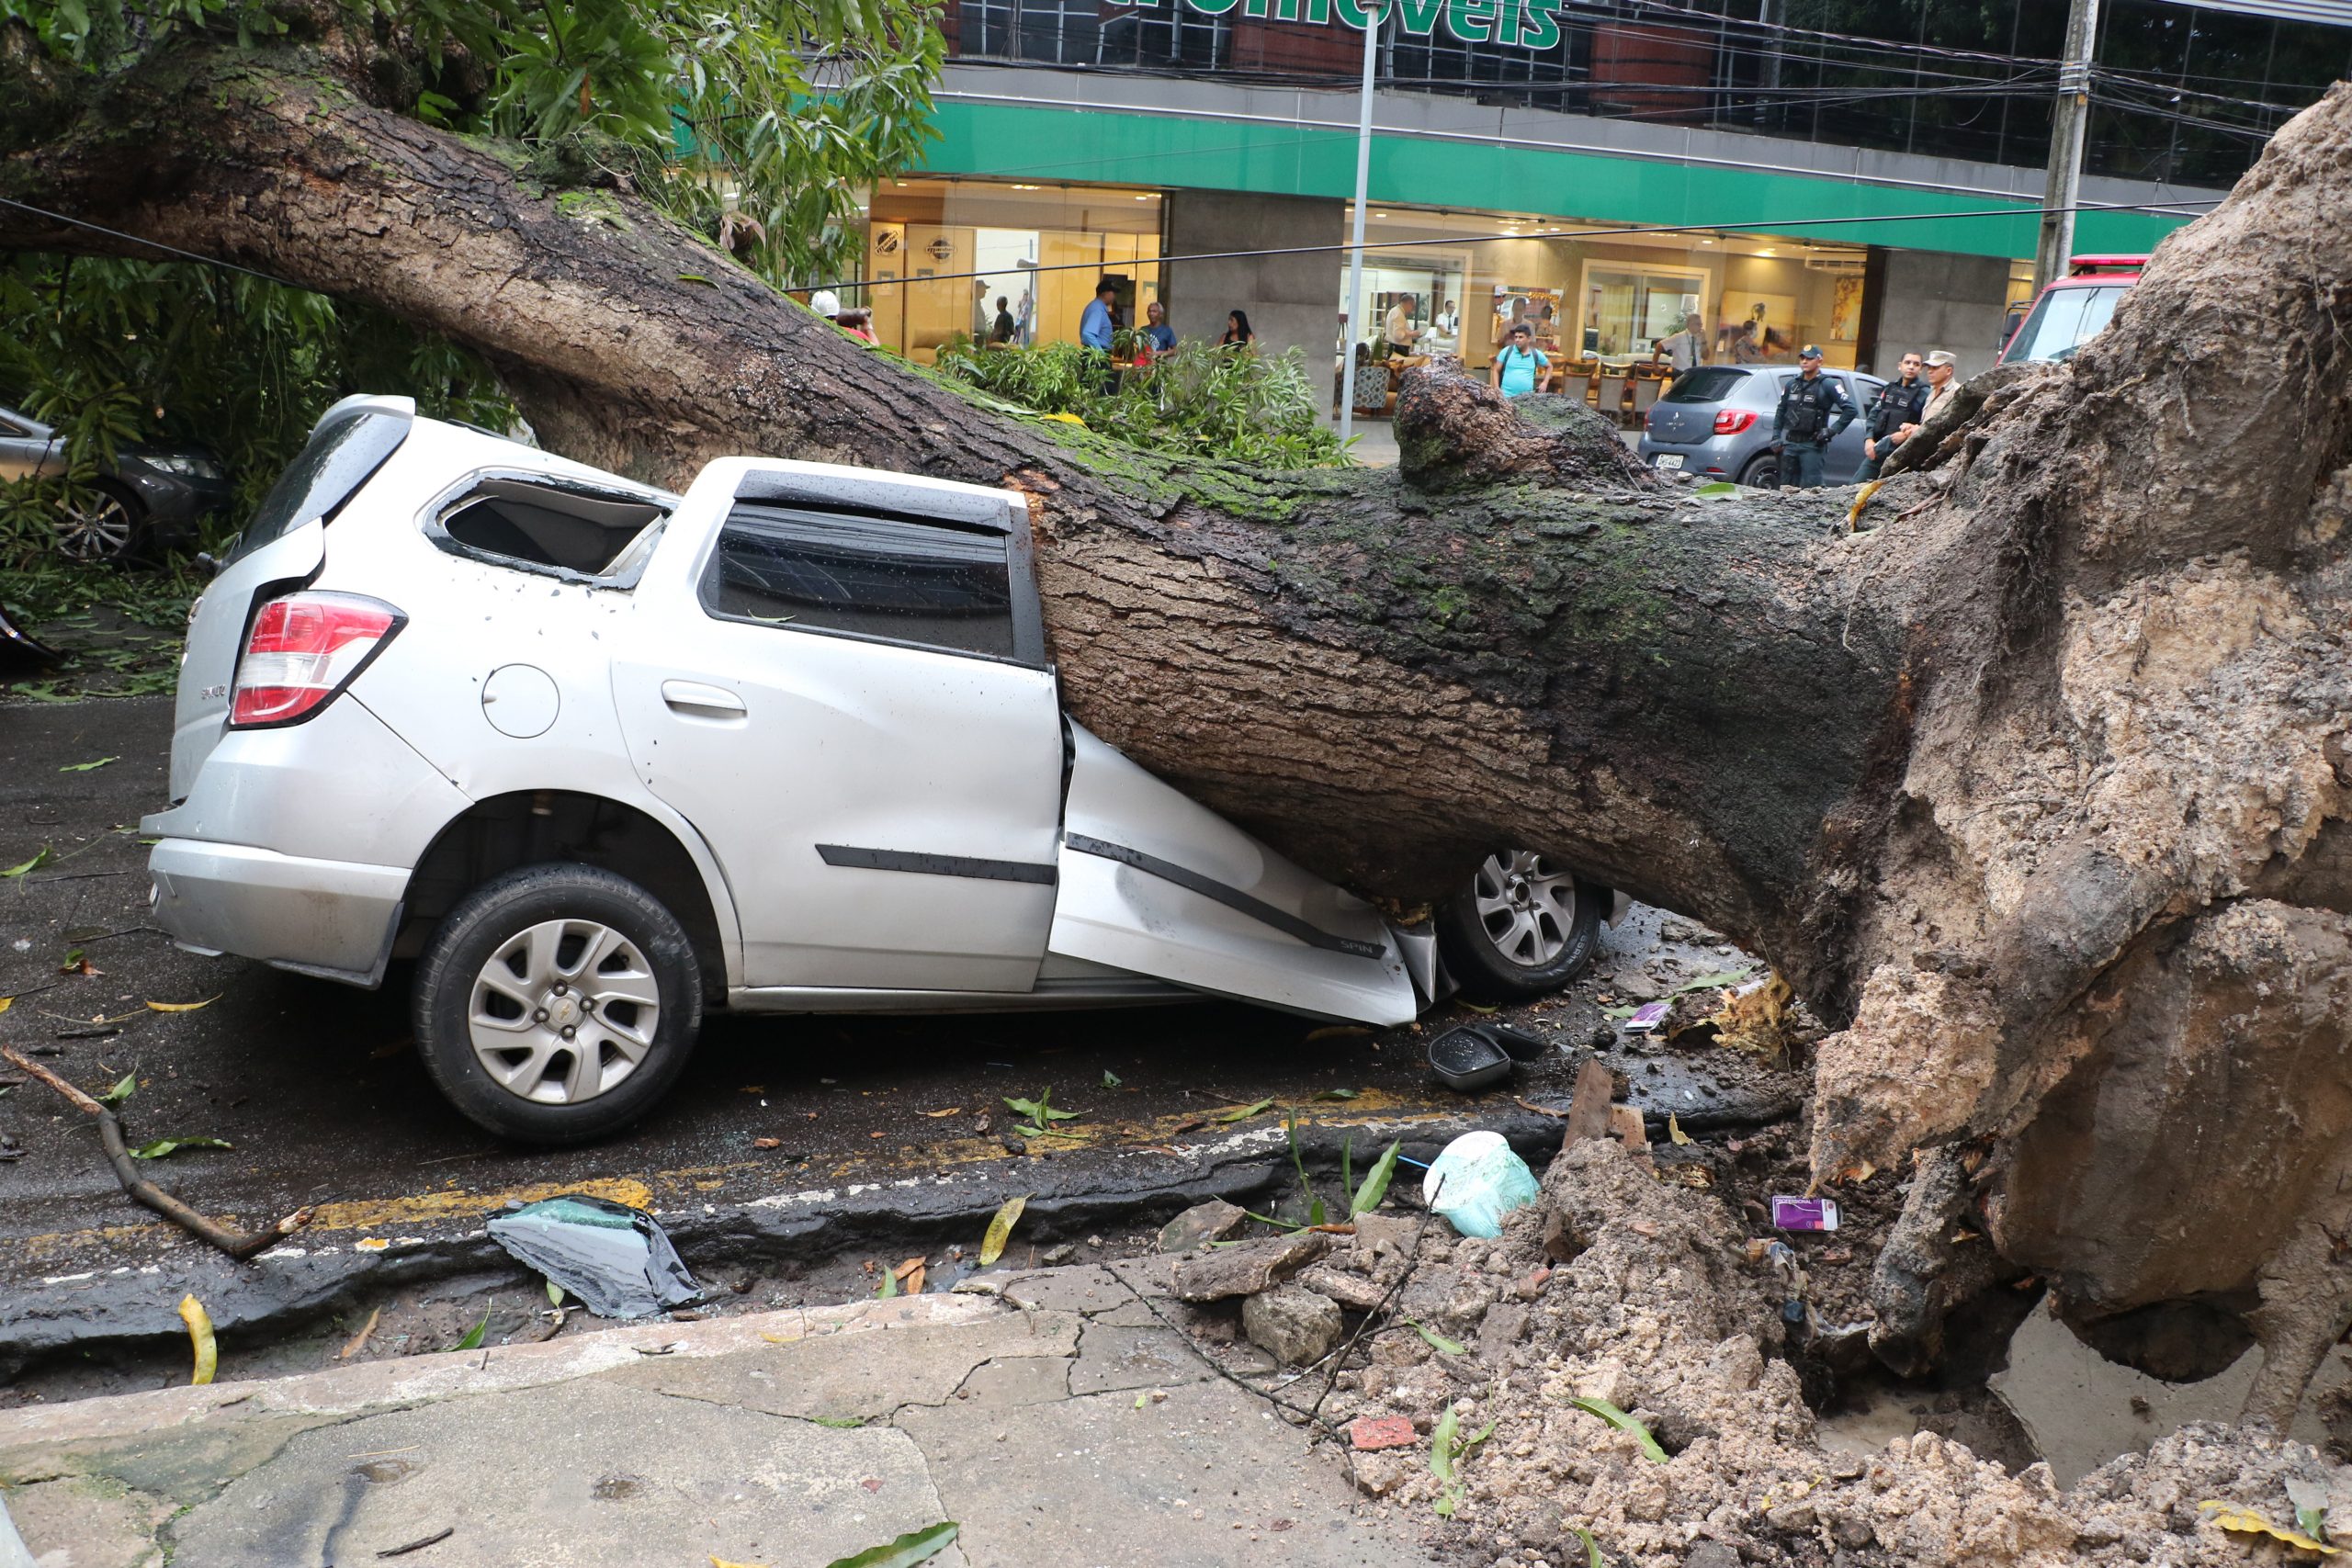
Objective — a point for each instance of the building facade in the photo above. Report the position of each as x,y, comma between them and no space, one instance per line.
1862,173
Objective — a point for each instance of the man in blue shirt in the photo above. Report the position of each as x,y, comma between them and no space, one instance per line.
1095,323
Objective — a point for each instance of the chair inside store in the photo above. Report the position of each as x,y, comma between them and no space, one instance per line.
1575,378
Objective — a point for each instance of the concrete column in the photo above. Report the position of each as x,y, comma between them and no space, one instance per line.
1292,301
1932,300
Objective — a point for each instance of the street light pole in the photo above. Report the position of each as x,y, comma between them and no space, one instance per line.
1355,248
2071,113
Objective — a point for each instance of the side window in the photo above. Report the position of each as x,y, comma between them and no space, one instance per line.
552,527
932,585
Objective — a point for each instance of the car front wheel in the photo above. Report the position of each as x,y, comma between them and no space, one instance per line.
100,524
556,1003
1523,928
1762,473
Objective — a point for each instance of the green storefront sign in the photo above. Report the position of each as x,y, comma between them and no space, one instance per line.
1512,23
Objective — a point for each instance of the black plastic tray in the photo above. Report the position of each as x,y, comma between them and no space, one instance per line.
1467,1058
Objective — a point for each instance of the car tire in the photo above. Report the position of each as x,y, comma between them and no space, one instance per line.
1523,928
1763,472
104,526
540,950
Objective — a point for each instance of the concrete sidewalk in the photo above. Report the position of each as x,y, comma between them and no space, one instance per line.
1059,1424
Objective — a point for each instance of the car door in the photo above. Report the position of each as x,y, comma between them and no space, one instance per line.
27,447
1845,452
843,686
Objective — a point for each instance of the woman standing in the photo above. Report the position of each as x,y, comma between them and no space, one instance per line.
1236,328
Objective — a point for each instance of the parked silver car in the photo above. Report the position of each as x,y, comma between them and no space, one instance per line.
1716,422
600,757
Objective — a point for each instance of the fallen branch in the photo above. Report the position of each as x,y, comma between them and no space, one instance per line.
238,1244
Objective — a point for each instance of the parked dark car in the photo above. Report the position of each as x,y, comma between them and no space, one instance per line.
151,499
1716,422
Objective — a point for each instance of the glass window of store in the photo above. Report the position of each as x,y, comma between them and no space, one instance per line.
1475,275
958,258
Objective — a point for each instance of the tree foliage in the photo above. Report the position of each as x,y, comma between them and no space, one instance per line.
756,124
1199,399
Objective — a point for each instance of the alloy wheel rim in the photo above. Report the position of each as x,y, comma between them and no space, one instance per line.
1526,906
95,529
563,1011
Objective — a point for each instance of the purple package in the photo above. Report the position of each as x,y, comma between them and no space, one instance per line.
1804,1213
1647,1018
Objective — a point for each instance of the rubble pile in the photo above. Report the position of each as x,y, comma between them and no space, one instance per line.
1621,1297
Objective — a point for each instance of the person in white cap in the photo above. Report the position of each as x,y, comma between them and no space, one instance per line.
826,303
1944,381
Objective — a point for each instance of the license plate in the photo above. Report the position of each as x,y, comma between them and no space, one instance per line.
1669,459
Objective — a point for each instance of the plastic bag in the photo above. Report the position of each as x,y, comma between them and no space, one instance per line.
1476,1180
614,1258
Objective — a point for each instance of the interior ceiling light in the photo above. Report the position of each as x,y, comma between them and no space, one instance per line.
1767,251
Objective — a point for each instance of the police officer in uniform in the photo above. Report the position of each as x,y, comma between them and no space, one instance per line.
1814,408
1899,404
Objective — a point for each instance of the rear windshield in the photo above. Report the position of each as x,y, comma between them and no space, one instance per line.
2063,320
1708,383
345,451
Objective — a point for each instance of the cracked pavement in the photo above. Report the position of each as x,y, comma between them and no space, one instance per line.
1056,1420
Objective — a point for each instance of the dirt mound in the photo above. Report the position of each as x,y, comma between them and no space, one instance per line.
1624,1288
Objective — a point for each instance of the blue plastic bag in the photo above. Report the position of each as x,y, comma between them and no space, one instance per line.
1476,1180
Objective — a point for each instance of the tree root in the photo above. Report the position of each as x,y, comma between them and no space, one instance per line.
242,1245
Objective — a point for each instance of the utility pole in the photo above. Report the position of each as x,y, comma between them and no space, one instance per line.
2069,115
1355,249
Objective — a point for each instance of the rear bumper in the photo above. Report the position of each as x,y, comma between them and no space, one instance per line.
333,918
1716,458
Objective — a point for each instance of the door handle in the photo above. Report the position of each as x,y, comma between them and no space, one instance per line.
703,701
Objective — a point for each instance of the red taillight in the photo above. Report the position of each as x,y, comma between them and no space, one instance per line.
304,648
1731,422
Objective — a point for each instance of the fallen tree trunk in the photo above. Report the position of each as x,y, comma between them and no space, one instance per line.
2034,787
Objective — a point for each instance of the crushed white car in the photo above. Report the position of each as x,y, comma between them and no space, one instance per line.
600,757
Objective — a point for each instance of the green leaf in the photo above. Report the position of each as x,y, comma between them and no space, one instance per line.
1624,1422
1041,1111
695,277
1437,1342
1242,1113
121,1092
1716,491
555,1294
841,1423
162,1147
1111,1079
1591,1547
889,1285
999,1230
1442,1441
1375,1183
1336,1094
87,767
2313,1522
472,1341
40,858
915,1546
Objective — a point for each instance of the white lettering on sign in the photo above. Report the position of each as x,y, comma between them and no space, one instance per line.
1517,24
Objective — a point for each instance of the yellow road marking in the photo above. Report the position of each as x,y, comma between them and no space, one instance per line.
659,1189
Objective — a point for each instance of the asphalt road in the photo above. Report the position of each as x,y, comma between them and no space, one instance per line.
889,1130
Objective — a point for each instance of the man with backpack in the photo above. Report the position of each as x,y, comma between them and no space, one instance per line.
1813,409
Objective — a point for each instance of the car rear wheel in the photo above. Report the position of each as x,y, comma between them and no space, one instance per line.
556,1003
100,524
1763,472
1523,928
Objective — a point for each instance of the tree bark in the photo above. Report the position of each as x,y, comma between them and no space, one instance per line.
2033,785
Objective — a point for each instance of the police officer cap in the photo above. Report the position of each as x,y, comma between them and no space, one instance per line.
1810,351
